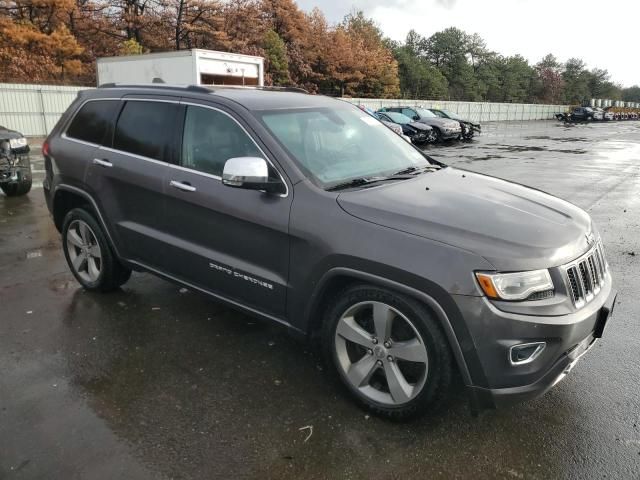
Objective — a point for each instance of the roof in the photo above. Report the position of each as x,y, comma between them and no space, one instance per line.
250,98
257,99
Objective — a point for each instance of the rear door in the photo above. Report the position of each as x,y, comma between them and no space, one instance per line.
231,242
127,176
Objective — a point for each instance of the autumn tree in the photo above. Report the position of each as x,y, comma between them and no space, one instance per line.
35,43
550,83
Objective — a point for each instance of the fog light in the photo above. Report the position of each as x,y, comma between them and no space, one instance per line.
525,352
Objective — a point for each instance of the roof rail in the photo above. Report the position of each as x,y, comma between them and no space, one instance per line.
200,88
164,86
258,87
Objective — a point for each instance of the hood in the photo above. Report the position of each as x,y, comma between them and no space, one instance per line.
512,226
440,122
420,126
6,134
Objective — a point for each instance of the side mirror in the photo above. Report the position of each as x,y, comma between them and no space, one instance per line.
251,173
416,117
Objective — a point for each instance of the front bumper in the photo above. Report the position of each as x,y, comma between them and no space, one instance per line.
451,132
567,338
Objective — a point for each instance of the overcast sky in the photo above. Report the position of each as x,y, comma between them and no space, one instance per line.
608,30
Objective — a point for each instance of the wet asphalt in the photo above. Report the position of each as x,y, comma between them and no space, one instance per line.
157,382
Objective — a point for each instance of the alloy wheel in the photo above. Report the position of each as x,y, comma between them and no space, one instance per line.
381,353
84,251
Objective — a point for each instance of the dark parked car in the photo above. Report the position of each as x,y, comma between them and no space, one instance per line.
583,114
15,164
469,129
443,128
419,133
303,210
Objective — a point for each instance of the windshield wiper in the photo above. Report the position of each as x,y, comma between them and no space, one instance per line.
361,181
417,170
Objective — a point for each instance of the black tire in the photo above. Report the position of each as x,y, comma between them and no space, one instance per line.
438,135
23,185
112,273
435,388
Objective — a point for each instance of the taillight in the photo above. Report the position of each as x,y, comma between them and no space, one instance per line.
45,148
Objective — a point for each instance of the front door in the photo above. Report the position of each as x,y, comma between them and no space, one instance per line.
229,241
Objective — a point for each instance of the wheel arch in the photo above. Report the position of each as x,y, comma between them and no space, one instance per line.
338,278
67,197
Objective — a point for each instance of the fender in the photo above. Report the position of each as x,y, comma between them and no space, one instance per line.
87,196
407,290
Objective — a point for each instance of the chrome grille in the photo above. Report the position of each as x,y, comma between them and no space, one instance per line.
586,276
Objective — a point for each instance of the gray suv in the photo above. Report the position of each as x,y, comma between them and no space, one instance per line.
306,211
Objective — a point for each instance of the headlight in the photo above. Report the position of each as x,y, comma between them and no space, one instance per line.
514,286
17,142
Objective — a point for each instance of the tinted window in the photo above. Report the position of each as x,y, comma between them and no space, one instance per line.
93,121
211,138
142,128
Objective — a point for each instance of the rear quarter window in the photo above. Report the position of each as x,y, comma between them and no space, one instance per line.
93,121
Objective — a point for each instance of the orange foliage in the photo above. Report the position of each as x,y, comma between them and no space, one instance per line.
59,40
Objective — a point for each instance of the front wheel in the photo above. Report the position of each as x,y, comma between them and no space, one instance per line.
388,350
88,253
22,185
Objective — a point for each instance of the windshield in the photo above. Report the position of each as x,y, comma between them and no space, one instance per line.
451,114
398,117
423,112
336,145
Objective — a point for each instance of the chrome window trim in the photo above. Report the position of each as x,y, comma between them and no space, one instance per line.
161,162
197,172
266,157
134,155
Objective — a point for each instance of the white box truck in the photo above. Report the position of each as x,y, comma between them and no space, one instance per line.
183,67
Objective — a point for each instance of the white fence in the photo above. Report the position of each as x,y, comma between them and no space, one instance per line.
474,111
35,109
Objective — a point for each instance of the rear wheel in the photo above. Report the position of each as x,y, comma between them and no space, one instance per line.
89,255
388,351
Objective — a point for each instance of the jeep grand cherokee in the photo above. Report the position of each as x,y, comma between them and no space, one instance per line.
306,211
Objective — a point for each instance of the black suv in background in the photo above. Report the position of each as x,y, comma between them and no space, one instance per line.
583,114
306,211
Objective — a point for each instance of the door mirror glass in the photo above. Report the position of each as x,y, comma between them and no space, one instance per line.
251,173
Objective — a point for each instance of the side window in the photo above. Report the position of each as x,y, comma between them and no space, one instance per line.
409,112
93,121
142,128
211,138
439,113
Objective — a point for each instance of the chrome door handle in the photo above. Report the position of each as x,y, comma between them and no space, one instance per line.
102,163
182,186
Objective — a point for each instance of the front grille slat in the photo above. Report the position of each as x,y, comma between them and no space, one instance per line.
585,276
